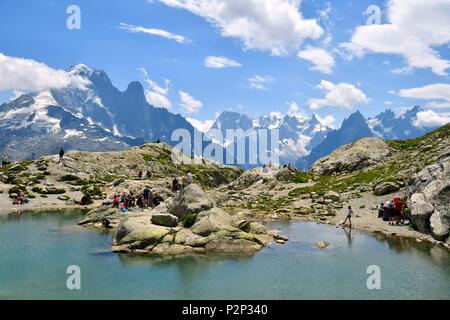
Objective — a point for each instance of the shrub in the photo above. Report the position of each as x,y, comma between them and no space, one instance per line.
69,177
189,220
47,191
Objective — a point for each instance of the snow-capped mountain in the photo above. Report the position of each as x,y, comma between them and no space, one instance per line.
97,117
387,125
297,133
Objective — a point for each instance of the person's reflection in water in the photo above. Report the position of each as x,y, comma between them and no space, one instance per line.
348,233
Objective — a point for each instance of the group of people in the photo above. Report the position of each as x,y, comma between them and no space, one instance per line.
149,175
148,199
394,211
21,198
177,185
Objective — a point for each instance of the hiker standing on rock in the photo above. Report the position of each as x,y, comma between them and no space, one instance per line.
189,177
349,217
5,161
61,155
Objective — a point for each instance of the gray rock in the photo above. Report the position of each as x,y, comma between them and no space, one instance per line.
440,225
386,187
430,209
332,195
351,157
165,219
192,199
421,212
212,221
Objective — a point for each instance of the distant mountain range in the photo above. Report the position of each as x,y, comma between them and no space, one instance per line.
100,117
96,118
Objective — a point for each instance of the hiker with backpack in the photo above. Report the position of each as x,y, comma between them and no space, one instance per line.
5,161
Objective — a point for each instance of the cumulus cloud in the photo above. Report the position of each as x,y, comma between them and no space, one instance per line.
438,94
154,32
295,111
202,126
320,58
156,95
430,119
220,62
327,121
189,104
414,30
258,82
29,75
343,95
276,26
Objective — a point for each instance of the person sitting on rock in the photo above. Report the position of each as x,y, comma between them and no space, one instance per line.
140,174
105,223
175,185
132,199
149,175
140,201
157,199
20,199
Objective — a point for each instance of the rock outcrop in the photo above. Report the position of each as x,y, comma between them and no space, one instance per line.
214,230
385,187
430,198
352,157
191,200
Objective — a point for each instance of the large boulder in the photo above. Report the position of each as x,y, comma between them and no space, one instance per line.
332,195
191,200
351,157
165,219
211,221
430,189
386,187
138,234
421,212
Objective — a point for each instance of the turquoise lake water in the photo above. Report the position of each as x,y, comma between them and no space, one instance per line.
36,249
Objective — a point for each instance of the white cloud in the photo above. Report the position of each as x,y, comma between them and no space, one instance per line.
156,95
415,29
202,126
189,104
343,95
320,58
29,75
155,32
276,26
439,92
295,111
429,118
258,82
220,62
327,121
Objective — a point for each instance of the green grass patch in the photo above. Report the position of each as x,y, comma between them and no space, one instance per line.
189,220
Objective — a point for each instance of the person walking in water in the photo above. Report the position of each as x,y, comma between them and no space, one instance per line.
349,217
61,155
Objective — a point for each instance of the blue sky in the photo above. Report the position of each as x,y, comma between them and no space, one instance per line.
370,82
